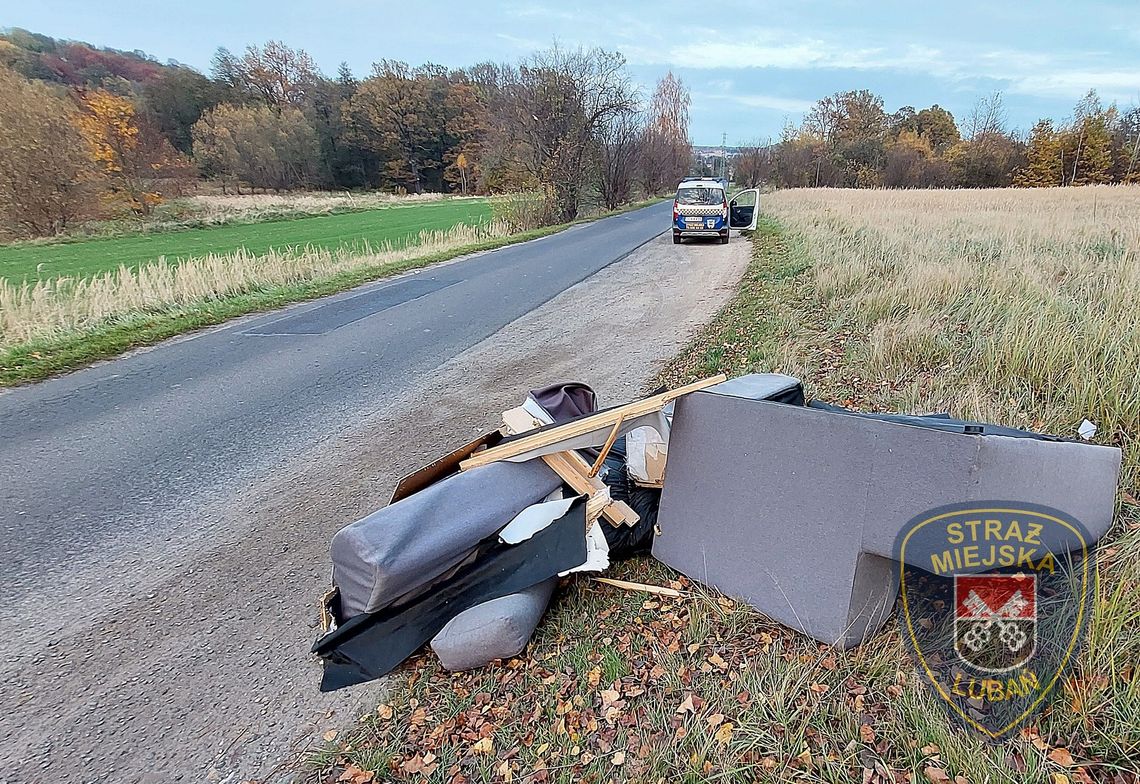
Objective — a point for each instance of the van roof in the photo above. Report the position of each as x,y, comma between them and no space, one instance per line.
703,182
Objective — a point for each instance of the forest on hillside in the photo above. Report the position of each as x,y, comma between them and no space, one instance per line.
86,132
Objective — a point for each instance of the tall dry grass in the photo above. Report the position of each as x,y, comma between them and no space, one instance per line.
1019,307
1016,306
45,308
222,208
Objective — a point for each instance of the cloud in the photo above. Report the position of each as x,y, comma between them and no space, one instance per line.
1046,74
773,102
1121,86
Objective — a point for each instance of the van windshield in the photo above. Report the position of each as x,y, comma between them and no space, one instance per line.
700,196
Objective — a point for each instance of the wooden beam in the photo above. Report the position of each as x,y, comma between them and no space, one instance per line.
574,471
584,425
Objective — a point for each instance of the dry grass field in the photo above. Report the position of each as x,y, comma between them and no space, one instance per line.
1018,307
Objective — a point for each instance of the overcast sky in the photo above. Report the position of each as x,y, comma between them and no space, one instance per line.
750,66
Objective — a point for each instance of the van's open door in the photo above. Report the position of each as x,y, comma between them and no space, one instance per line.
743,209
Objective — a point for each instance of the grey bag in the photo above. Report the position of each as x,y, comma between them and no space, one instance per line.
407,545
498,629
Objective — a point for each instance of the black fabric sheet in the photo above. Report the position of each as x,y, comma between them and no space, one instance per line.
371,645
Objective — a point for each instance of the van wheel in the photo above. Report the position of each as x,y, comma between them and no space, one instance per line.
724,240
676,239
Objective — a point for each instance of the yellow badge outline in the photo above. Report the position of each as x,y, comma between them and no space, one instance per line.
1068,651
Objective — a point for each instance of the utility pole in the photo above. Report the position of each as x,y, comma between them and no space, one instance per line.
724,154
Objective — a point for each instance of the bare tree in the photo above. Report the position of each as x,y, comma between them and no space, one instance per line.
277,74
619,141
751,162
666,151
988,117
550,112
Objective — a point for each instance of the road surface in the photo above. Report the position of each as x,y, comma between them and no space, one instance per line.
165,516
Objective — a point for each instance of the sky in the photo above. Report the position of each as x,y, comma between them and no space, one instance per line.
750,67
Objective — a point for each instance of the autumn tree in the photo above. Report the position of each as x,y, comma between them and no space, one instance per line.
47,180
418,121
1043,158
911,163
275,73
666,151
1127,134
988,156
175,100
136,160
938,127
1088,143
257,145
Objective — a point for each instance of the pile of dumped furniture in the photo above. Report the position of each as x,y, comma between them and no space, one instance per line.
741,484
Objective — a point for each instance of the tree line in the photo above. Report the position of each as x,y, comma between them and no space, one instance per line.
88,132
848,140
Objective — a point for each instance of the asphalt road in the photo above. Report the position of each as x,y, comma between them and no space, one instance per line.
164,516
87,457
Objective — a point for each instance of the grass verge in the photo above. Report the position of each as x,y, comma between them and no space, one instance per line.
41,357
621,686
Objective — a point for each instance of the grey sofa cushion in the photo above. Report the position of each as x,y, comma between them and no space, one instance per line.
497,629
410,543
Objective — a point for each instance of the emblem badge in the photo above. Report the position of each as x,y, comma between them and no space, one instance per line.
995,597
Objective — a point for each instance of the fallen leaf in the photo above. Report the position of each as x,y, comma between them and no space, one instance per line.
724,734
1058,778
715,720
355,775
1062,757
687,705
610,696
867,733
384,711
330,736
618,758
819,688
930,749
504,770
716,661
935,775
484,745
594,676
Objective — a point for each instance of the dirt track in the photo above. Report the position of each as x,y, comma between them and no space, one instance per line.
207,676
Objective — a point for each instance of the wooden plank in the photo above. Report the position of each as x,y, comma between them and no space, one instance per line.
585,425
573,470
628,586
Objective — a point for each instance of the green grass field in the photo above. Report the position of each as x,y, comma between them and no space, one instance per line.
89,257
